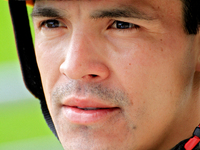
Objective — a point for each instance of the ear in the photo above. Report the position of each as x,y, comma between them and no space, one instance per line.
197,48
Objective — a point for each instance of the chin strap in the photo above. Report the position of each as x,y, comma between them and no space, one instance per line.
192,142
26,53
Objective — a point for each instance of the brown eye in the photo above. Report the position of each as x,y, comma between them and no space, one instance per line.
123,25
52,24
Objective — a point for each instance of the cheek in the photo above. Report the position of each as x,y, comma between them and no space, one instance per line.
155,74
49,57
144,60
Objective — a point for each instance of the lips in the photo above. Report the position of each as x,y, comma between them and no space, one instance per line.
91,108
86,111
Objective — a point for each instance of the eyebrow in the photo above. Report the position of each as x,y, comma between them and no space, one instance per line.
124,12
46,12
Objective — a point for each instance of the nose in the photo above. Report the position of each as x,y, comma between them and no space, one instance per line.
84,60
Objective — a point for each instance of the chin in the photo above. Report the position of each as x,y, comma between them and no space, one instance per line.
87,138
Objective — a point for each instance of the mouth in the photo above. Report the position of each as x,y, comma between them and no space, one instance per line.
86,112
91,108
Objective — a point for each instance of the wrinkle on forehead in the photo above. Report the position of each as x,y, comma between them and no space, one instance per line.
114,10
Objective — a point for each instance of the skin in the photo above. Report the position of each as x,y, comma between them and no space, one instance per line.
150,73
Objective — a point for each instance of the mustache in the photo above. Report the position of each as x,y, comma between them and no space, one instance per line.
114,96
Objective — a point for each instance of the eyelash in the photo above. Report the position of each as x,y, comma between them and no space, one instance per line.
124,25
51,21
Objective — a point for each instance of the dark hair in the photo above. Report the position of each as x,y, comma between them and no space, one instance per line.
191,9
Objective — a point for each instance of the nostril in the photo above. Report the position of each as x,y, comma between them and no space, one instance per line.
93,75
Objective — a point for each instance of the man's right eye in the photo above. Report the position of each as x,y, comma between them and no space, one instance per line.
52,24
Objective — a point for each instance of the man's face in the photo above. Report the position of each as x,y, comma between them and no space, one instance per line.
116,74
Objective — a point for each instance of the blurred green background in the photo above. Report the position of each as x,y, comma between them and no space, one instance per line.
22,126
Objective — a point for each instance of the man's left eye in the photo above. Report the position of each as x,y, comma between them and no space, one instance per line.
123,25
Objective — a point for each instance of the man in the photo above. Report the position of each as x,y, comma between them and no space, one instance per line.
118,74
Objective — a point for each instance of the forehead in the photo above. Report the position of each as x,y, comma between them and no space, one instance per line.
151,3
151,8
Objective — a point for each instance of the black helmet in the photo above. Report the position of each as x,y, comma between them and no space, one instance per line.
26,54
